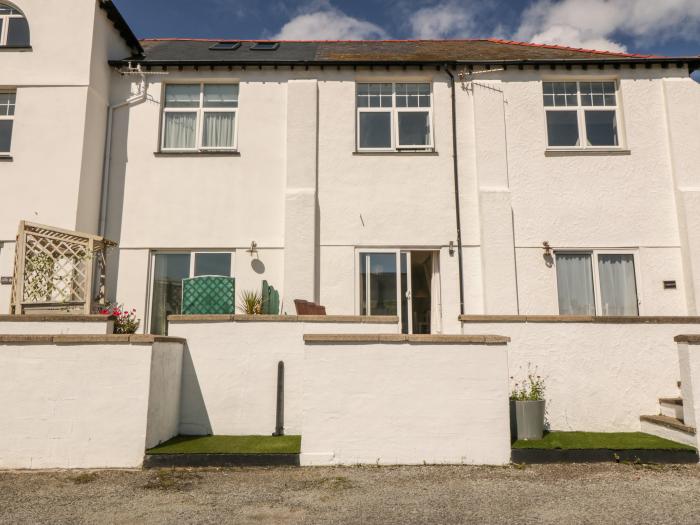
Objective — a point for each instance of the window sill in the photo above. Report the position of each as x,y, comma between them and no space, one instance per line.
6,158
15,48
406,152
585,152
197,154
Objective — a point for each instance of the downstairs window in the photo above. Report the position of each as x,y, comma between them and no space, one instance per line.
593,283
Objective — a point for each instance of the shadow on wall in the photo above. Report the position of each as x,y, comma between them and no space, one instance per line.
194,418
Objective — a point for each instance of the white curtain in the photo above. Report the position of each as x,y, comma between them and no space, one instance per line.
618,287
180,129
218,130
575,284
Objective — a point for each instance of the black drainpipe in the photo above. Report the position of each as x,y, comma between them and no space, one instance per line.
456,178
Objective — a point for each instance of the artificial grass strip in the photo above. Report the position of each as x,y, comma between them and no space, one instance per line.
229,445
601,440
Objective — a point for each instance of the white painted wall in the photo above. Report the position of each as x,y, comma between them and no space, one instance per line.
55,173
82,405
405,404
600,377
229,377
513,194
28,326
163,419
299,189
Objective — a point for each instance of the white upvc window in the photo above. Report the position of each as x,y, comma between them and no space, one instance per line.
200,117
14,29
7,118
582,115
394,116
597,282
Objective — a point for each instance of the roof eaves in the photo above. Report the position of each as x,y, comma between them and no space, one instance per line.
693,61
121,25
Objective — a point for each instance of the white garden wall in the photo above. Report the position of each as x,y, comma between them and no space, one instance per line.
229,377
55,324
83,401
600,376
405,400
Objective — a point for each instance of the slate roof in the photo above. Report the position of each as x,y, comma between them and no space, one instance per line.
176,51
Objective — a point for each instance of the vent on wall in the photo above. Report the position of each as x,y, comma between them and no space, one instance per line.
225,46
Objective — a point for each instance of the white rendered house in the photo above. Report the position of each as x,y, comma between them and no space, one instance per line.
358,175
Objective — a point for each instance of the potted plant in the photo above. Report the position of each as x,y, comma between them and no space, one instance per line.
527,407
251,302
125,321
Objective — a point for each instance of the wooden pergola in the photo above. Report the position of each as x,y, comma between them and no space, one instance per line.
59,271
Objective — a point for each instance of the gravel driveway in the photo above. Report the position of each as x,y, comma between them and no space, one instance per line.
602,493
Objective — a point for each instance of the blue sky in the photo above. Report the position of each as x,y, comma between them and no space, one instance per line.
666,27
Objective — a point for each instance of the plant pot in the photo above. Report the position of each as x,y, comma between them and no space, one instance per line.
529,418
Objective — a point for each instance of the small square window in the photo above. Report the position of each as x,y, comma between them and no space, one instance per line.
265,46
225,46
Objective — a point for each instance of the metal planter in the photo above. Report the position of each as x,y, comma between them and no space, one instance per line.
529,418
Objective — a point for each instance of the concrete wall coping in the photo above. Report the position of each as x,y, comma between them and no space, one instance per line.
693,339
56,318
406,338
89,339
366,319
579,319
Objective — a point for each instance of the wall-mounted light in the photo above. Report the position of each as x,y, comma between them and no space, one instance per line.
451,249
547,248
253,250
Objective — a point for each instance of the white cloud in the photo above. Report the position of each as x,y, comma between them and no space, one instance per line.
597,24
325,22
444,20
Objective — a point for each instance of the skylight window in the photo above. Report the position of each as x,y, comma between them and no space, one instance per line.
265,46
225,46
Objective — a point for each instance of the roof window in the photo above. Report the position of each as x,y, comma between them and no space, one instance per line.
265,46
225,46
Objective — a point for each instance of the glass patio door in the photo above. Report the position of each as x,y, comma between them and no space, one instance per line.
168,272
169,269
399,283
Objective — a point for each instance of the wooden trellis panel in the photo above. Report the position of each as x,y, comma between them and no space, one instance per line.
55,270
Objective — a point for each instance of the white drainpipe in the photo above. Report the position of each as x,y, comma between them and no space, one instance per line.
140,96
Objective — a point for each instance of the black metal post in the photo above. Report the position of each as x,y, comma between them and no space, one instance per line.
279,424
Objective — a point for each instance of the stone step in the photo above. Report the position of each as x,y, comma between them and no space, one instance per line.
671,407
669,428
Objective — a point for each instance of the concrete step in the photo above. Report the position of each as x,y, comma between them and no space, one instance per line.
669,428
672,407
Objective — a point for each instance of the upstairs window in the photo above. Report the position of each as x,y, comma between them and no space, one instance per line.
394,117
14,29
200,117
581,115
7,117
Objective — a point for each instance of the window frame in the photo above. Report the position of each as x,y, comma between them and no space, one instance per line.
152,271
5,24
594,253
394,111
199,125
581,115
11,118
